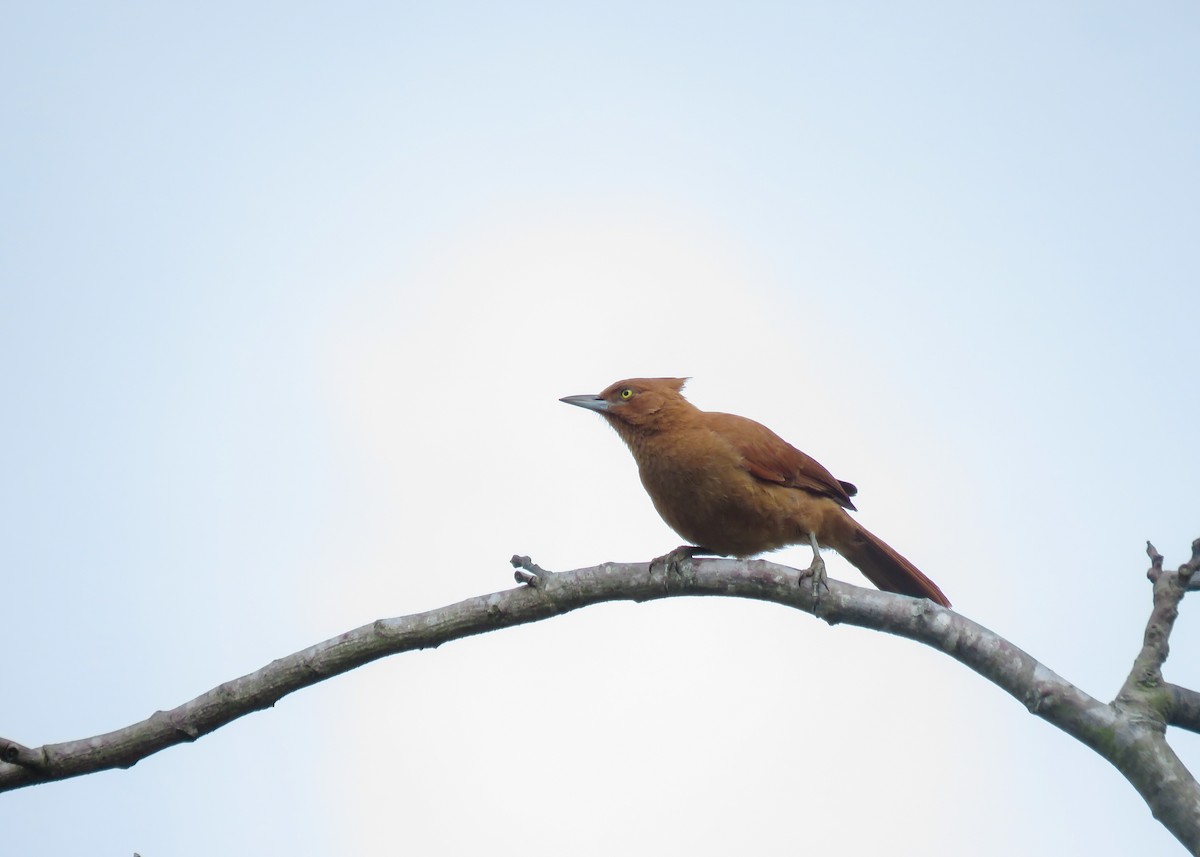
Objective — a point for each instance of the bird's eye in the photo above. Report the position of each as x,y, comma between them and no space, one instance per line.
627,393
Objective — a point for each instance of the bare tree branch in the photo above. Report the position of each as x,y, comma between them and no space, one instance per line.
1147,704
1169,590
1185,708
11,751
1130,732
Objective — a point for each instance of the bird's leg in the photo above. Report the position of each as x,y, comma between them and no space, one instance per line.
816,570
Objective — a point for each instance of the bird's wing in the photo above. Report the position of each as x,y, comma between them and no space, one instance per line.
770,458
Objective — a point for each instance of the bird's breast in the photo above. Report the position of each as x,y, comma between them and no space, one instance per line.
700,488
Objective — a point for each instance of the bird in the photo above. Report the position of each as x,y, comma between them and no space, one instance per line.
732,487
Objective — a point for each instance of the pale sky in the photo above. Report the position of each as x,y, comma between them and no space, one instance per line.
289,293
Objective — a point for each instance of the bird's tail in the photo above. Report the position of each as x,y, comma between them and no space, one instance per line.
882,565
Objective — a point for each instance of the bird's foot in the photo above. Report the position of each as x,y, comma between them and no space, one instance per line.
673,562
819,579
528,571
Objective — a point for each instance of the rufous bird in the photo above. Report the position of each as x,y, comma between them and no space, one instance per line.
731,486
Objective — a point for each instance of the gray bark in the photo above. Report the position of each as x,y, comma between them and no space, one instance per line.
1130,732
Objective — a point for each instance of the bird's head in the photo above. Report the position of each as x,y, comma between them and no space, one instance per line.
637,403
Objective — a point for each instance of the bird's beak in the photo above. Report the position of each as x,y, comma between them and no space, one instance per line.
592,403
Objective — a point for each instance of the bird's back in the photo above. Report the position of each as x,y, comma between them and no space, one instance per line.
772,459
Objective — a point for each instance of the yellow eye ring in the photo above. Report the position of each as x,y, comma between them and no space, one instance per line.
627,393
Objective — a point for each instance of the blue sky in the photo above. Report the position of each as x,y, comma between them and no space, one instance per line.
288,294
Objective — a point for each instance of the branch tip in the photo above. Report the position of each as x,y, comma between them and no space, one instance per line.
528,571
1192,565
1156,563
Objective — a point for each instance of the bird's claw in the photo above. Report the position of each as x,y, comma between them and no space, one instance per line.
672,560
819,578
675,562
